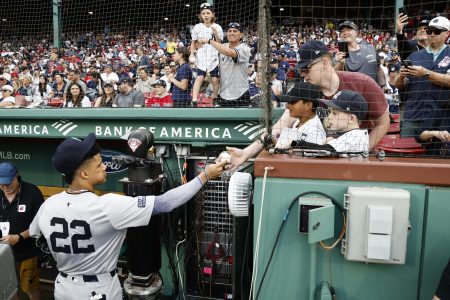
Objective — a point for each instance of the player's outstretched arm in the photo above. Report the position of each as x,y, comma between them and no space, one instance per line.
239,156
178,196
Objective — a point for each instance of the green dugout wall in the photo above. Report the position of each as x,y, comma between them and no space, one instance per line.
289,275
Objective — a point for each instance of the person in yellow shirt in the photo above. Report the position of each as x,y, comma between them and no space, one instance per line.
171,45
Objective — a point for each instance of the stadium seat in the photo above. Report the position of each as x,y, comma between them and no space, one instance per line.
395,144
55,102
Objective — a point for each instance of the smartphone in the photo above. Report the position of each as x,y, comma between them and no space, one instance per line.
406,63
402,10
343,47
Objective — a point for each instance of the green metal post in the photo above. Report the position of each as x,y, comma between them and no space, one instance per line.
56,5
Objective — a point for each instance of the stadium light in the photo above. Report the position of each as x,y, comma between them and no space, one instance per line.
4,20
188,5
91,12
281,9
166,19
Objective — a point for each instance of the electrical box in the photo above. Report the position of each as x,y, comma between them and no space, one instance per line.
316,218
377,225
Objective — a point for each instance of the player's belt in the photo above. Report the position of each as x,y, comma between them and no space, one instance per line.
88,278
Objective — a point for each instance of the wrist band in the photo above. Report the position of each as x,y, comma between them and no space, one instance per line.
20,237
206,175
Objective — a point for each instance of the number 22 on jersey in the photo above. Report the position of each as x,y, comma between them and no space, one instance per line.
76,238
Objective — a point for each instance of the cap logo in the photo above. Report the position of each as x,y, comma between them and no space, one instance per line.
337,95
134,143
435,20
317,52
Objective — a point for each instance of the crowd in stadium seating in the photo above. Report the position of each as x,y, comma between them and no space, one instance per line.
112,69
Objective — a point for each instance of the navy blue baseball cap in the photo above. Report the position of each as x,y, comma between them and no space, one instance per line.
71,152
302,91
310,51
235,26
126,80
7,173
349,102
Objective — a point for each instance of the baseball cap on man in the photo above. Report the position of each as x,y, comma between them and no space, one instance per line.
349,102
70,154
302,91
349,24
310,51
423,22
235,26
126,80
440,23
394,68
7,173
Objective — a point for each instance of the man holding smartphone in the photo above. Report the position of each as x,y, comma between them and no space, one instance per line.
420,41
427,80
357,57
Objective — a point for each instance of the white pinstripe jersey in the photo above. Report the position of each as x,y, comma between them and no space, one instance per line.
84,232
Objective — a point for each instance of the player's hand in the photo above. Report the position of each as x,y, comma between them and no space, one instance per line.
10,239
215,170
238,157
340,57
402,20
170,77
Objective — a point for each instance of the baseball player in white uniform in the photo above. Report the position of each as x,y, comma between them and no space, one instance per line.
84,231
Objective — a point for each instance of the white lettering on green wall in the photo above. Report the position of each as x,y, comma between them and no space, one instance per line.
24,129
167,132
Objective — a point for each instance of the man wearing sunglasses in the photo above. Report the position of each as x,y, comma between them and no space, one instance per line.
427,80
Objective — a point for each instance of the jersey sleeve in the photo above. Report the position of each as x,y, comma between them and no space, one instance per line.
194,32
243,54
124,211
34,229
219,31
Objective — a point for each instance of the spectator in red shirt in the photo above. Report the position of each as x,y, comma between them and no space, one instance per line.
160,98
